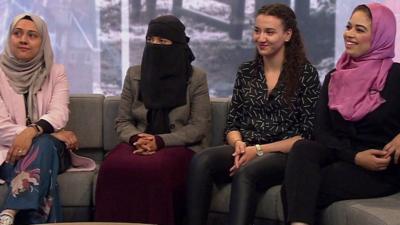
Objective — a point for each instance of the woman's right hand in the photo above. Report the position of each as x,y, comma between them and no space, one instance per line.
393,149
68,137
372,159
21,145
240,149
145,145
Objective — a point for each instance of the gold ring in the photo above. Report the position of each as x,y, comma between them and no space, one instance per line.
19,151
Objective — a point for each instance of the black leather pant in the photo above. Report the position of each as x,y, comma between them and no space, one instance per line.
315,178
251,181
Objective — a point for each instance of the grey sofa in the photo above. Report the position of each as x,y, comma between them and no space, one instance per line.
92,118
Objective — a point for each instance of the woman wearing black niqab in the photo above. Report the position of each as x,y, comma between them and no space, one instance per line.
163,119
165,69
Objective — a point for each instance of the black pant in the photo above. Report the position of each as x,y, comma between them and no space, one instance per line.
251,181
315,178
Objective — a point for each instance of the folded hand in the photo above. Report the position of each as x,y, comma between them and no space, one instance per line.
68,137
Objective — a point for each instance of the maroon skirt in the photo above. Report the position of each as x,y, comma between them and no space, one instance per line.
145,189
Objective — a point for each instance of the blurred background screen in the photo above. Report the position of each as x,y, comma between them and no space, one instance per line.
97,40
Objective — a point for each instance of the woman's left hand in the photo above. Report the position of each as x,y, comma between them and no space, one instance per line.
248,155
145,145
68,137
393,149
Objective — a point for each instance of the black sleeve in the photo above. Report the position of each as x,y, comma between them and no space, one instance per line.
46,126
310,87
324,130
235,108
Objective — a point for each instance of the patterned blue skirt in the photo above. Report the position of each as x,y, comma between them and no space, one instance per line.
33,188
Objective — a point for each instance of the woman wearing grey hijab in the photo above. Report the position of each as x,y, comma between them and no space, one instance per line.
34,148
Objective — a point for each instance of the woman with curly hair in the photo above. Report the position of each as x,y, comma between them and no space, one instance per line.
272,107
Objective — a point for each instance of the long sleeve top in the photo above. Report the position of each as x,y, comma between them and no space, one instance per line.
373,131
264,118
53,100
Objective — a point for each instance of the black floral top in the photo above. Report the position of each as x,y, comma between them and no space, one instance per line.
264,118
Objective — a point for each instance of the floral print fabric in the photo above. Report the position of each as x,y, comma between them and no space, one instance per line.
33,183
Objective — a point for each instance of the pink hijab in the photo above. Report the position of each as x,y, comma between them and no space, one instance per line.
354,88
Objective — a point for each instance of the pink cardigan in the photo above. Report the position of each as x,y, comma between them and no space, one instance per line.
53,100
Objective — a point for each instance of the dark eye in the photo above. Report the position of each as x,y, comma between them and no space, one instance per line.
256,30
165,41
17,33
33,35
348,27
359,30
270,32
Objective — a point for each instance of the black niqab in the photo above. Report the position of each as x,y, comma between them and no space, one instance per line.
165,72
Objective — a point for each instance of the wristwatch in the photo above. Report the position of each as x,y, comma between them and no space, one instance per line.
36,127
259,152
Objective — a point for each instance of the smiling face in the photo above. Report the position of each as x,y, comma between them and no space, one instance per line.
358,34
25,40
269,35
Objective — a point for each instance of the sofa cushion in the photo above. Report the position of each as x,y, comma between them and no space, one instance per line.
269,207
77,214
86,119
220,198
75,188
374,211
96,175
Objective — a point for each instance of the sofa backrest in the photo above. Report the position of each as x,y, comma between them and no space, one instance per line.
219,108
111,105
92,118
219,111
86,120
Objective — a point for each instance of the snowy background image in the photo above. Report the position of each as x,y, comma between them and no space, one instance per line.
98,39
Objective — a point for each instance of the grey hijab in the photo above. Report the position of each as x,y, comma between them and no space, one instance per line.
28,76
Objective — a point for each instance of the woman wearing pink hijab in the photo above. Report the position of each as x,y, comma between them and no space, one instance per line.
357,142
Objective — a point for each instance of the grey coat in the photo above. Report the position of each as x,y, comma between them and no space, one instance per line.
189,124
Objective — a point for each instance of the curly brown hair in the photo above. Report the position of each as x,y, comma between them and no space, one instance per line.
295,57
